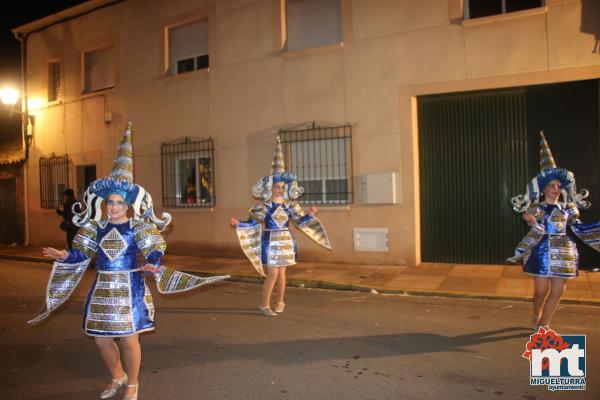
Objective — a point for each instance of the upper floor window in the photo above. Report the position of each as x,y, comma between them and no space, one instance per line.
312,23
321,158
54,179
188,173
98,69
485,8
188,47
54,81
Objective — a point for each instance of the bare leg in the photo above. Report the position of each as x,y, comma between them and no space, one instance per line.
542,287
110,355
132,354
272,274
557,288
281,284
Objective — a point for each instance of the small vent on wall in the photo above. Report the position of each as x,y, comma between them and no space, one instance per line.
371,239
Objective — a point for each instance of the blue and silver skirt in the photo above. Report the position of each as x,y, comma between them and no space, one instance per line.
119,304
555,256
278,248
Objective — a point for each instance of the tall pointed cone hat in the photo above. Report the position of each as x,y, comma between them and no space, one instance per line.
548,172
120,182
546,158
120,178
123,163
278,172
278,165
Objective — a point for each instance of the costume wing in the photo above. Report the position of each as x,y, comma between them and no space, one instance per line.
523,249
64,278
171,281
315,230
250,240
589,234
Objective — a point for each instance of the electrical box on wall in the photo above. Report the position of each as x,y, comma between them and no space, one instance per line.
379,188
371,239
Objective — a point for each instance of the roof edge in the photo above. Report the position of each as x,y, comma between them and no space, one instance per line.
68,13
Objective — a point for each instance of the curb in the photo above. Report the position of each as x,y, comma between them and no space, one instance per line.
25,258
316,284
311,284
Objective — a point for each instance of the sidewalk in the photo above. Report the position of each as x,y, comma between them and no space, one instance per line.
505,282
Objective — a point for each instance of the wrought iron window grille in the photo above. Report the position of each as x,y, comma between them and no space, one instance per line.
54,179
188,178
320,155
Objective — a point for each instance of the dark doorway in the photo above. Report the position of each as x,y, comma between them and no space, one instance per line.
477,150
8,210
86,174
569,116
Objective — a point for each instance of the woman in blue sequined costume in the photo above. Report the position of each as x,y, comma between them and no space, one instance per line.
119,304
547,252
274,247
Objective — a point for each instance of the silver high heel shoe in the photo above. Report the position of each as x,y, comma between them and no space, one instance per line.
114,387
132,396
280,307
267,312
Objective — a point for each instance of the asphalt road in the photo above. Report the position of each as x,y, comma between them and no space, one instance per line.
213,344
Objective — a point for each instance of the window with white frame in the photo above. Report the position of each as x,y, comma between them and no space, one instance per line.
54,81
98,69
312,23
321,158
188,47
485,8
188,173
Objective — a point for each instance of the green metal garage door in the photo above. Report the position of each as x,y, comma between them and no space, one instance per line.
479,149
473,159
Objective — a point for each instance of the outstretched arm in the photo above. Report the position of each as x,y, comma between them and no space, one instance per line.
299,217
68,269
151,244
588,233
249,235
530,219
310,224
256,216
55,254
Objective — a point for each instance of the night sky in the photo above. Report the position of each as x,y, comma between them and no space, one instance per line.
10,48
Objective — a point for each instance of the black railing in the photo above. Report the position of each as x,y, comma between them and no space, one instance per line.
188,177
321,157
54,179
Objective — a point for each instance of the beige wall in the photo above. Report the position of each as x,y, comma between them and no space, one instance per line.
393,50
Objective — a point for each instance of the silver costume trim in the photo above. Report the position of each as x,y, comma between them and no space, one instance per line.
171,281
63,280
111,318
113,244
250,240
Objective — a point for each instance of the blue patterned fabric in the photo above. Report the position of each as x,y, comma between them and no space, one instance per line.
104,187
555,254
278,245
119,303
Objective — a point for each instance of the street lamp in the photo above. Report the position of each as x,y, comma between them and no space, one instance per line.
9,98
